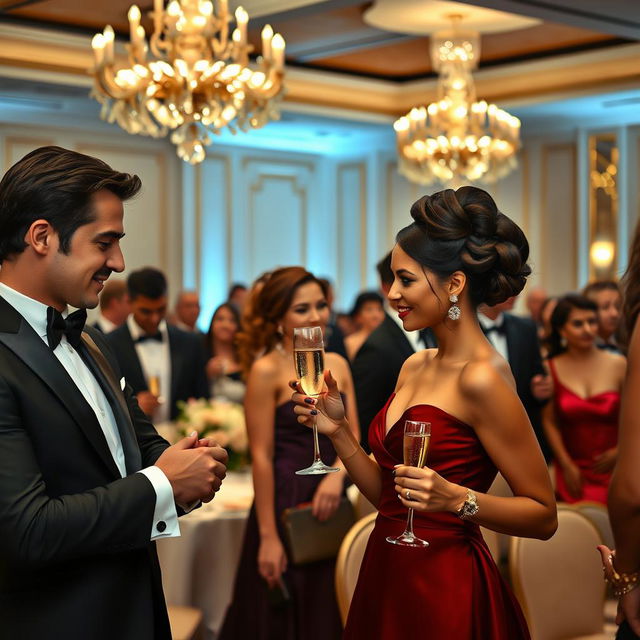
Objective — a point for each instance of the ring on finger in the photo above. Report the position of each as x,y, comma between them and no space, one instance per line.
407,494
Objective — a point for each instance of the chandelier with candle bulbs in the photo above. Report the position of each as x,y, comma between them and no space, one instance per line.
199,80
456,138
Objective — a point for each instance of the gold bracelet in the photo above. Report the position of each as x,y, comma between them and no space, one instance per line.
623,583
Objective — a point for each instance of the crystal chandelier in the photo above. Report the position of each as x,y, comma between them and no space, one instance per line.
200,80
456,138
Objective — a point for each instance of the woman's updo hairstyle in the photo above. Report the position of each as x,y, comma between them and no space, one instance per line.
463,230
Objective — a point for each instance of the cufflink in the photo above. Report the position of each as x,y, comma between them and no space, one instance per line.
161,526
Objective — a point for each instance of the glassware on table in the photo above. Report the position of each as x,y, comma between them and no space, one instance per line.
308,355
415,446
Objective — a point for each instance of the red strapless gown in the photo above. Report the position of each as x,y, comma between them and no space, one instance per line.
451,590
589,426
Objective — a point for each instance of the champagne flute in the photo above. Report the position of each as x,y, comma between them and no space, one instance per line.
308,355
154,388
415,445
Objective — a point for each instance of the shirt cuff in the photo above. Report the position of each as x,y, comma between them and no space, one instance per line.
165,517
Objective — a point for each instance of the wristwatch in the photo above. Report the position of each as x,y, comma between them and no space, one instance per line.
469,506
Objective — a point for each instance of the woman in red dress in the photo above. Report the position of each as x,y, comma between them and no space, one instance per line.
459,252
581,423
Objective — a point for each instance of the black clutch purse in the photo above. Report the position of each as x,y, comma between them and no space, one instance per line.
310,540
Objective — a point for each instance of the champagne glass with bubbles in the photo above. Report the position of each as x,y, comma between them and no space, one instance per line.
415,445
308,354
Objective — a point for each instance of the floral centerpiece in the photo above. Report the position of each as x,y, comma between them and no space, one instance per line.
218,419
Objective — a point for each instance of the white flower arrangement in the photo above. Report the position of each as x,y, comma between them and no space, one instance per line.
218,419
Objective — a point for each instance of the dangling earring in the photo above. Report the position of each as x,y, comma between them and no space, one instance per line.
454,309
563,342
280,331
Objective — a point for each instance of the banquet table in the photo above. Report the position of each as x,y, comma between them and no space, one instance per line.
199,567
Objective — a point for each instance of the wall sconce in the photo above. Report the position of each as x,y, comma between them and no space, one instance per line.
602,253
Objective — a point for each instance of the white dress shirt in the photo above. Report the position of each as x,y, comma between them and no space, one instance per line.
498,340
155,360
35,313
412,336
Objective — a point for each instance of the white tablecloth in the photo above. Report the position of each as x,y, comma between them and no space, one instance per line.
199,567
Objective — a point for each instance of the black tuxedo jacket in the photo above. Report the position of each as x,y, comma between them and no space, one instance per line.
526,362
75,557
187,354
375,371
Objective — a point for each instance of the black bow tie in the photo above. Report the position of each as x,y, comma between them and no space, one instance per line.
149,336
71,326
498,328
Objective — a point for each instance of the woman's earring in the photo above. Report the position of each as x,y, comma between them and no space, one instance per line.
454,309
280,331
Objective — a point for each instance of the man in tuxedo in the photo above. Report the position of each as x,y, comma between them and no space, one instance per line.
86,483
187,311
163,364
114,306
378,362
516,340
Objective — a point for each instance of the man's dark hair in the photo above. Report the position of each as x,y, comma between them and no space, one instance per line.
235,287
384,270
56,185
147,282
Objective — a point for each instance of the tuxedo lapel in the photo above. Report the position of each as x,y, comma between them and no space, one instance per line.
127,351
513,342
18,336
106,377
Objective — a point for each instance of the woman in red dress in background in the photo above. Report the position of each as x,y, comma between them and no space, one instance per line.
459,252
581,423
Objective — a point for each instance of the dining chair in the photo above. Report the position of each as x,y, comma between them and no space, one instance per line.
349,561
559,581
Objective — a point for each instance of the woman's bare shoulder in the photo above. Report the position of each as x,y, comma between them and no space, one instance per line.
481,377
414,363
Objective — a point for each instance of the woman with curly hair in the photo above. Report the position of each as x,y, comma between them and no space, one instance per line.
289,297
459,252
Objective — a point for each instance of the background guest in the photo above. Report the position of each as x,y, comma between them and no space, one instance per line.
223,366
186,311
237,295
333,336
534,300
516,340
291,297
114,306
544,330
624,492
582,421
163,364
606,294
390,344
367,315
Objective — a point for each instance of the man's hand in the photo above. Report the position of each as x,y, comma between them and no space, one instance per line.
148,402
541,387
195,468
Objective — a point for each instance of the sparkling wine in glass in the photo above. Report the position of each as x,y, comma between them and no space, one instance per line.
415,445
154,388
308,354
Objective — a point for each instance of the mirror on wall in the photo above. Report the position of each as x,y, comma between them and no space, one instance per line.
603,206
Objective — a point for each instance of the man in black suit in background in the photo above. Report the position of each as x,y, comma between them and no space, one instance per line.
86,483
516,340
378,362
163,364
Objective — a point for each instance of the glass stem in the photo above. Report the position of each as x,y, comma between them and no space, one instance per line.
408,530
316,446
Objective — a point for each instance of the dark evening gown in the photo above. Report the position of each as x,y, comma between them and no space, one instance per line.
452,590
589,426
312,612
